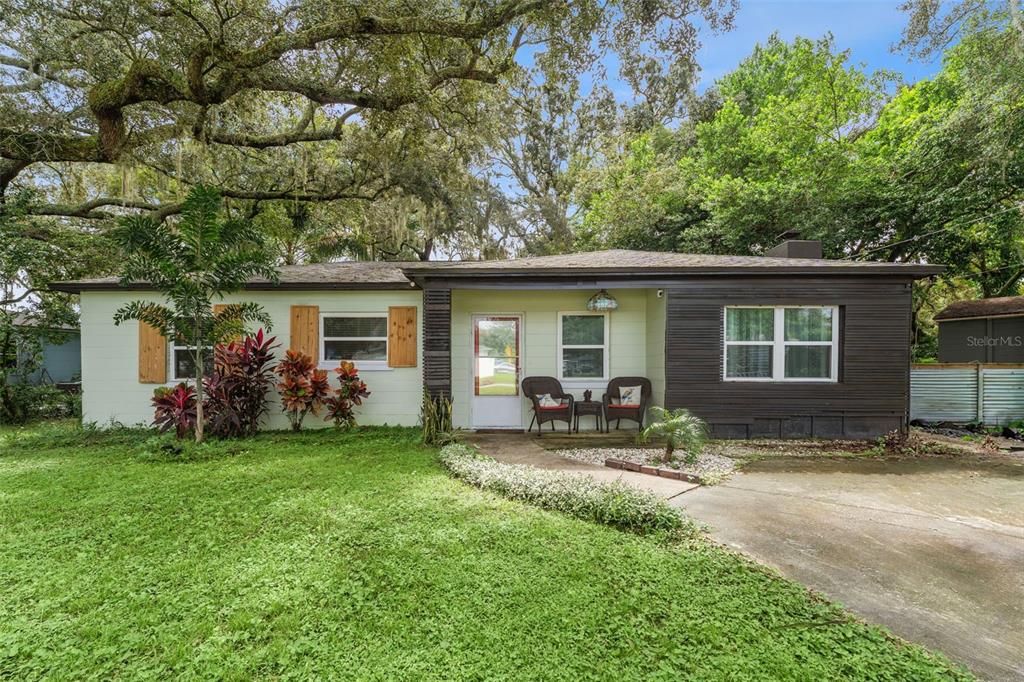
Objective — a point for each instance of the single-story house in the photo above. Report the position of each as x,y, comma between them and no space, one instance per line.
758,346
60,359
984,330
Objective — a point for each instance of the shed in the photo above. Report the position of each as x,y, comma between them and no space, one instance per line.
984,330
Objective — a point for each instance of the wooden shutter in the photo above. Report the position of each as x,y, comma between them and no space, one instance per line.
402,336
152,355
218,308
305,330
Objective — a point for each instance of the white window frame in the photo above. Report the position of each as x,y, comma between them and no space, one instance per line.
172,375
575,382
779,344
360,364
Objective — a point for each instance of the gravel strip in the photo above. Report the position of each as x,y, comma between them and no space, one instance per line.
707,463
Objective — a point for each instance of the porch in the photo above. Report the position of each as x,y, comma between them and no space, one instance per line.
499,337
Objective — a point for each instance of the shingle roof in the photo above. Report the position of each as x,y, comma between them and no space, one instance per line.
625,261
26,320
617,262
983,307
347,275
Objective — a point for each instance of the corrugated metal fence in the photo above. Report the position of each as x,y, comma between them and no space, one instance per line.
989,393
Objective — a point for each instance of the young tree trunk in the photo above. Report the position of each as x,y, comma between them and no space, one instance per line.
198,358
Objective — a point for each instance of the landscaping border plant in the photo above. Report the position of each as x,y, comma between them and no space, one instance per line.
614,504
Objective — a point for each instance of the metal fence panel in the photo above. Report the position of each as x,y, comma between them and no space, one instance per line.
1003,395
944,394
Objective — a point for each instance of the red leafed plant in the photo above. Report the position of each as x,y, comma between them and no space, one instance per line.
303,387
175,409
236,390
351,393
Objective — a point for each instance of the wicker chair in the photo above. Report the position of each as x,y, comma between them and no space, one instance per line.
534,388
613,411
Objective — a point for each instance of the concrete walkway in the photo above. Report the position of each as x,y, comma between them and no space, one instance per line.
932,548
520,448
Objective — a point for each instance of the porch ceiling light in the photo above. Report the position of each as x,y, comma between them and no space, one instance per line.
602,301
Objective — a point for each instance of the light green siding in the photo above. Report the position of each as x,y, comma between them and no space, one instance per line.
656,345
111,390
630,342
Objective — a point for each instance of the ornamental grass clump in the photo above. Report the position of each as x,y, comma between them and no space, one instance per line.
614,504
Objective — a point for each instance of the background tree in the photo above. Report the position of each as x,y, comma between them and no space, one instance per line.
35,252
798,138
198,258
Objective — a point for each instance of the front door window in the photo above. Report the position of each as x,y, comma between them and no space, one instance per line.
496,356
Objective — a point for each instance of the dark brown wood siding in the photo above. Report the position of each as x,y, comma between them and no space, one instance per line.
437,341
870,398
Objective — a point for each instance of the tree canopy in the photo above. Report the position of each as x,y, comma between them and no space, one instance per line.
450,128
243,92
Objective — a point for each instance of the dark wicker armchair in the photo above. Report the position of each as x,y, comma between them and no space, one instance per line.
615,412
534,388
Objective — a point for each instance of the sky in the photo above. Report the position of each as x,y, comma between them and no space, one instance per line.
868,28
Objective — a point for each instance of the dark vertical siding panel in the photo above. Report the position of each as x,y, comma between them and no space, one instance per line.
954,344
870,398
437,341
1007,340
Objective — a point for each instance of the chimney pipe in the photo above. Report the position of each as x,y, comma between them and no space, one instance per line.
795,247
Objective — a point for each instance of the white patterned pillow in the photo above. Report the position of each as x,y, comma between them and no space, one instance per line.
545,400
630,395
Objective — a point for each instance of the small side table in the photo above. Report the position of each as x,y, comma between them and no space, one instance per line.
585,407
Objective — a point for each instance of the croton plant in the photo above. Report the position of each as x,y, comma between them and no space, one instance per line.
351,393
303,387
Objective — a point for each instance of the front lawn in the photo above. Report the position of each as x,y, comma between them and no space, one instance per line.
355,556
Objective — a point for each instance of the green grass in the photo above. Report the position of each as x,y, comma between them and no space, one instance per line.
355,556
502,382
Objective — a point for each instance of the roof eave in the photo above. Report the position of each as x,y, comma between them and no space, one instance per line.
913,271
79,287
982,316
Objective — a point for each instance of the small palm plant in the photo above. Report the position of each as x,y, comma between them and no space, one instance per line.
681,429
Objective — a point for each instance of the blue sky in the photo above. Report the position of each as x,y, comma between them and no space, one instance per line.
866,27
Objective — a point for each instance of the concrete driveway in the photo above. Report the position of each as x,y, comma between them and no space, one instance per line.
932,548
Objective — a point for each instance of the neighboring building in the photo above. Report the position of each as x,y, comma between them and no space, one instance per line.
985,330
61,360
759,347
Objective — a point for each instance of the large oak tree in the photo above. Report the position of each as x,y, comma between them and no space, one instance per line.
301,100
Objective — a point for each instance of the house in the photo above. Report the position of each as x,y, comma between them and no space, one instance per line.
985,330
772,346
60,354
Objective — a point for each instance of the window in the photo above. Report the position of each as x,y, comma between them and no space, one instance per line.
358,337
183,360
781,344
583,346
496,351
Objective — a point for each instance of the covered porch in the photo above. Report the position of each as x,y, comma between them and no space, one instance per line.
500,337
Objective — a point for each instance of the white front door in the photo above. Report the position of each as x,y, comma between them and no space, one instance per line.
495,401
